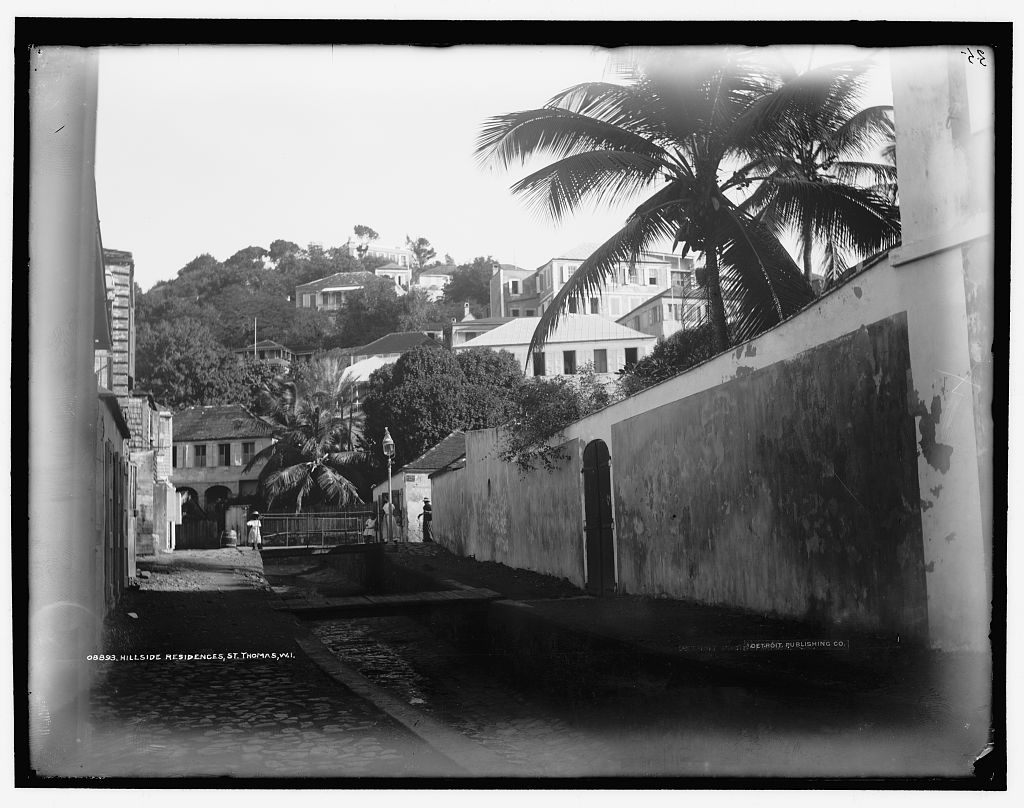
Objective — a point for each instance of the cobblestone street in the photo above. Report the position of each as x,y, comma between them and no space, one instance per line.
242,717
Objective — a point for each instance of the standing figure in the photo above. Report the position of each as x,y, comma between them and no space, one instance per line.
370,530
427,516
388,510
252,531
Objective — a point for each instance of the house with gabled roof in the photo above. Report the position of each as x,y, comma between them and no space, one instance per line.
578,340
212,446
328,294
411,483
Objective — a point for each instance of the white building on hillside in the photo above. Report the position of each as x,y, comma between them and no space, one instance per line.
579,339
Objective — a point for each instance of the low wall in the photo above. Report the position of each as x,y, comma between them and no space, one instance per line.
492,513
450,525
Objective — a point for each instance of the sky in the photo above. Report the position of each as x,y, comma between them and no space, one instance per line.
209,149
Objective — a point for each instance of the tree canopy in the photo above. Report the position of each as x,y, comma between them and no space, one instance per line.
677,125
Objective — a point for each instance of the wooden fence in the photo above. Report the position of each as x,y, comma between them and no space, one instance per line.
197,534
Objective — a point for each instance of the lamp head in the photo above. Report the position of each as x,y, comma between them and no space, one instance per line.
388,444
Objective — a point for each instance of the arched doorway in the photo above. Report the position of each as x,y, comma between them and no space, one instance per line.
216,501
191,510
597,500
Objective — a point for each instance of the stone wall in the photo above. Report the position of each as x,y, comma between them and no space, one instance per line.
791,489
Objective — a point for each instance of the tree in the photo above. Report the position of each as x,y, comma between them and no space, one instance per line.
279,248
365,235
419,398
682,117
421,248
679,352
471,283
492,381
178,362
821,184
369,313
541,411
308,462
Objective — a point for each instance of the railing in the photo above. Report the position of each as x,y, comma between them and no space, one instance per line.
314,529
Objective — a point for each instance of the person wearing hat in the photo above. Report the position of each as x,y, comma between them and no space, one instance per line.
253,535
427,515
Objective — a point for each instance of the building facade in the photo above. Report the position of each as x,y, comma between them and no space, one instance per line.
578,340
328,294
514,292
398,255
269,353
212,447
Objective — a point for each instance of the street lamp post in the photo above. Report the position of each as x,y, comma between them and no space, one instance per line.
389,452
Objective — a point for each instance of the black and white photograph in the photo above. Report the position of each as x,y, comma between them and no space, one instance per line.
580,405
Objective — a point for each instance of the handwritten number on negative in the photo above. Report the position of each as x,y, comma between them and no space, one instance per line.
980,54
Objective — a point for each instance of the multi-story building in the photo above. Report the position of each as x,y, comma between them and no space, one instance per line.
578,340
328,294
399,255
402,276
514,292
513,289
212,447
155,509
433,281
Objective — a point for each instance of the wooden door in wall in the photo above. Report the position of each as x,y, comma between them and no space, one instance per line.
597,499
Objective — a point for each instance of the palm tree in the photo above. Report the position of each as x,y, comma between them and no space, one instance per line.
325,373
311,453
821,183
680,120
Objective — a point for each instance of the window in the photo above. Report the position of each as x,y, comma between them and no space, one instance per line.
174,457
531,312
569,362
248,452
308,301
652,279
515,312
636,323
513,287
565,272
634,276
595,305
573,308
679,278
600,360
200,453
538,363
630,357
223,454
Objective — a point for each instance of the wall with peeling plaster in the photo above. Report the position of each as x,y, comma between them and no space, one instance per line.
790,489
450,510
775,522
533,522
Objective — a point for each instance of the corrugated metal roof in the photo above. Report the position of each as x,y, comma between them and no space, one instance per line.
218,421
571,328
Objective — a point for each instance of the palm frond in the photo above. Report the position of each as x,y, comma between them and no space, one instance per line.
655,220
862,173
506,140
759,278
601,176
864,130
808,106
622,105
856,219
